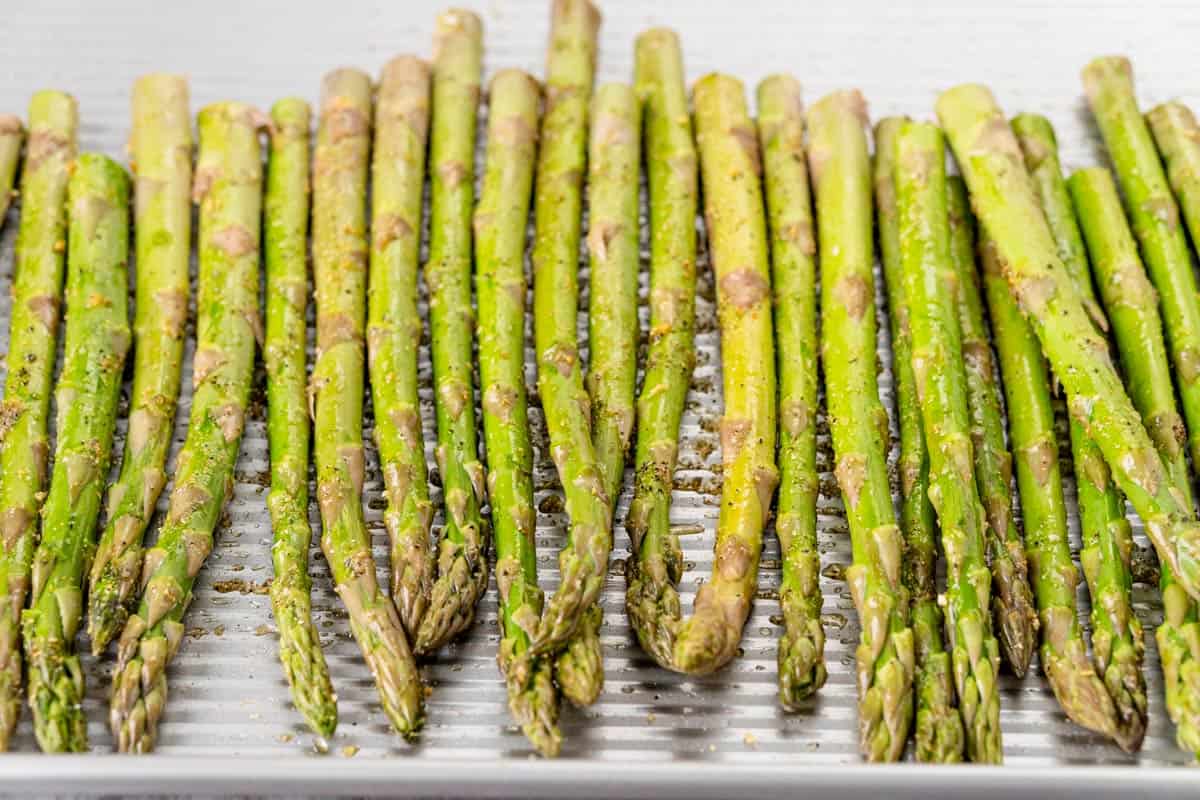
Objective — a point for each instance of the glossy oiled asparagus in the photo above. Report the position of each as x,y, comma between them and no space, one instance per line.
12,134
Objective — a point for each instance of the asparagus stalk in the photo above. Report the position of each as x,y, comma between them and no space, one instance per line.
1014,613
36,297
793,275
339,271
729,163
462,552
500,223
612,240
288,426
1132,305
565,403
1108,83
1003,196
96,341
1116,631
229,191
12,134
656,564
938,725
858,422
1177,136
394,328
930,278
162,162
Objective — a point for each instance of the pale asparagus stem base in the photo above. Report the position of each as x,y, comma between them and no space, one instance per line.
885,656
801,654
161,152
36,302
656,564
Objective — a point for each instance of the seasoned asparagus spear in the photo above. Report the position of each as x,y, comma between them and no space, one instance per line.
12,134
500,224
1003,196
1108,83
919,174
1116,632
793,275
288,426
938,726
394,328
1177,136
229,191
612,240
36,297
96,341
1014,613
462,552
729,162
336,387
858,422
162,162
656,563
557,200
1132,305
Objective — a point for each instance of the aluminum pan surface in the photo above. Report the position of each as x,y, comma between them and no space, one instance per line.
228,699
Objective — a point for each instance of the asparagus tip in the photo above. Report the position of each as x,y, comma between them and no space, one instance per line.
579,668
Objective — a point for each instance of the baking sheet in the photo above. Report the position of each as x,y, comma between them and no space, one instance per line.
229,722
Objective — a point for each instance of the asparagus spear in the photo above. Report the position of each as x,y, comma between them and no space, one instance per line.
500,223
612,241
729,163
793,247
858,423
1003,196
96,341
12,133
462,552
1108,83
930,278
1132,305
1177,136
565,403
1014,613
288,430
339,271
656,564
938,725
1116,631
229,191
36,296
162,162
394,328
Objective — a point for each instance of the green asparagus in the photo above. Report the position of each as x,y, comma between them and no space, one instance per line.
462,553
96,340
339,244
1108,83
655,565
801,655
36,298
1177,136
229,191
930,282
162,163
858,423
1116,631
557,203
1132,305
1004,198
394,329
288,426
612,240
938,726
12,134
500,224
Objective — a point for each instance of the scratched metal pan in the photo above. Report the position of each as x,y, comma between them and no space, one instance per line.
229,724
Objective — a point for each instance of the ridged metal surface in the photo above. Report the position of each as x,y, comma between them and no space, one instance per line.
227,696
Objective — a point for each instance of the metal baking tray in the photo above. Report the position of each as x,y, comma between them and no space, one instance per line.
230,726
